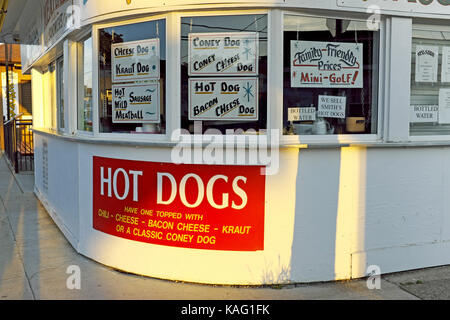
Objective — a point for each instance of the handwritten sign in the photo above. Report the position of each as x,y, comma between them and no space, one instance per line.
223,99
135,60
136,103
444,106
424,113
326,64
234,53
302,114
427,63
332,107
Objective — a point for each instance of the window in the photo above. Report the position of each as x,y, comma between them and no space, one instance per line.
224,73
50,97
85,85
60,92
330,76
132,78
430,81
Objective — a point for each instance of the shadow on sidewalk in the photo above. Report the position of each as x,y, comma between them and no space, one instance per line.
19,225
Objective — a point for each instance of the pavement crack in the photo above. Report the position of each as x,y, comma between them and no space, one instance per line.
403,288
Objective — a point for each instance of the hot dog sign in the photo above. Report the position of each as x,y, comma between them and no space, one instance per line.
326,64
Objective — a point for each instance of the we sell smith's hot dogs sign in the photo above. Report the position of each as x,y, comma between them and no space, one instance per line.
326,64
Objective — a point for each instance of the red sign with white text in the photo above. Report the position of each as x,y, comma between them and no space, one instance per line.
211,207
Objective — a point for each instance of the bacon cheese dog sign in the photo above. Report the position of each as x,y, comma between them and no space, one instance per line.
209,207
223,53
223,99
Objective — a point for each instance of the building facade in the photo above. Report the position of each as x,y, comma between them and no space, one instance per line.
243,142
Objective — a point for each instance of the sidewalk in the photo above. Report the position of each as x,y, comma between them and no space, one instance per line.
34,257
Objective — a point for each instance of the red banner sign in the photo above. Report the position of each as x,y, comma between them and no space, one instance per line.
191,206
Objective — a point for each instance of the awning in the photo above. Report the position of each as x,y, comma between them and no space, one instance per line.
13,14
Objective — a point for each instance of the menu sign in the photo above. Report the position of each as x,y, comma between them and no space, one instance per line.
332,107
302,114
326,64
234,53
135,103
135,60
209,207
427,63
223,99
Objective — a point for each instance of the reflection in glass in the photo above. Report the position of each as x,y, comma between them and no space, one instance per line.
357,106
85,87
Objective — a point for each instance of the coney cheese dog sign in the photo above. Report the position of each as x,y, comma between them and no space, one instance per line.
234,53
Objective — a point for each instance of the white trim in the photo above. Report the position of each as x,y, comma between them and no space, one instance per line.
96,80
173,74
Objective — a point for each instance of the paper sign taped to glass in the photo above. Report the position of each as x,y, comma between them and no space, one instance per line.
223,99
232,53
326,64
135,60
133,103
424,113
427,60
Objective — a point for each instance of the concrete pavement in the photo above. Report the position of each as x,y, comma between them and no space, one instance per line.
34,257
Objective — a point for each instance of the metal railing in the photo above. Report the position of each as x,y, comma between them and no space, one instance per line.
19,146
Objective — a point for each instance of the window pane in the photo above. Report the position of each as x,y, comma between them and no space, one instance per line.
132,62
60,85
224,73
85,86
330,76
51,94
430,83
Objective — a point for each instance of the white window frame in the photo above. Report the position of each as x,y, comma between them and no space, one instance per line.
336,138
77,68
96,88
60,78
270,68
432,26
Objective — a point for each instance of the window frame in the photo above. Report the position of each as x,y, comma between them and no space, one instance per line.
270,68
79,45
427,25
60,79
96,78
380,95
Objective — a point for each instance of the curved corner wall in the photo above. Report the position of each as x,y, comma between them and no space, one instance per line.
324,214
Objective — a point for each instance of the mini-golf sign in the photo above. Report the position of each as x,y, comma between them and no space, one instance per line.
326,64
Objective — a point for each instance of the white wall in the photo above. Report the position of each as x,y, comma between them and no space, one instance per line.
329,214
